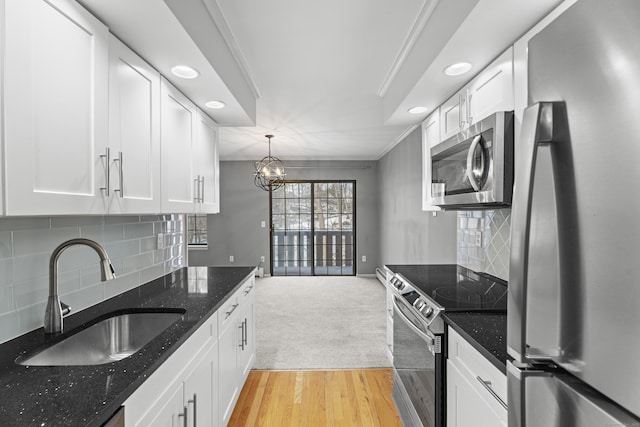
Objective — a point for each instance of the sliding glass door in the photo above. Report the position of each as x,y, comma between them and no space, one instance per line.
313,228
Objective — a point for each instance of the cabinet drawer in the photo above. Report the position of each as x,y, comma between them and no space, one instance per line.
247,290
463,355
228,312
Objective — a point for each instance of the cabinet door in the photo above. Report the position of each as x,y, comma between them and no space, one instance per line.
228,384
492,90
207,165
247,351
198,390
56,108
178,122
466,407
452,116
134,132
167,412
430,138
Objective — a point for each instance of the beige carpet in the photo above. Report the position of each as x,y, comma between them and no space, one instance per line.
320,323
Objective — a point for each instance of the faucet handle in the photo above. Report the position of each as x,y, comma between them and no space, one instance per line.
65,309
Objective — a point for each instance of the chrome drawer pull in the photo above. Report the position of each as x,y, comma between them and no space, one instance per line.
487,385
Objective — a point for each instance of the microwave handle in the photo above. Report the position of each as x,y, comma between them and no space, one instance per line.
474,144
539,123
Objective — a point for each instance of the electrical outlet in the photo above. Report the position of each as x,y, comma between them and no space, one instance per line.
478,238
262,258
364,258
160,241
263,224
231,258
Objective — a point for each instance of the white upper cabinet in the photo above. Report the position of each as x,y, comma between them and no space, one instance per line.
430,137
178,133
489,92
56,108
206,166
492,89
134,132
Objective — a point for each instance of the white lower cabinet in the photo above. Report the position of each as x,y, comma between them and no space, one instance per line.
476,389
237,347
200,383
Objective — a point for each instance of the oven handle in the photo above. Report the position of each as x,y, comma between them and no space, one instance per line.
430,340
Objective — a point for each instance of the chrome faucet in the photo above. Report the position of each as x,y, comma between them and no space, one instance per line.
55,308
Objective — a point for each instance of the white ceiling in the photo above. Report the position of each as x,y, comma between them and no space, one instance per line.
331,79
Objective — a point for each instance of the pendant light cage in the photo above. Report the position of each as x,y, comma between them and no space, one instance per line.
269,174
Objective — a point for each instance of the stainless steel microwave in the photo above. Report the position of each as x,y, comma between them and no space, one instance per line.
475,166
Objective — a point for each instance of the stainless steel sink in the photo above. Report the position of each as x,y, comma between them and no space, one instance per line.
109,340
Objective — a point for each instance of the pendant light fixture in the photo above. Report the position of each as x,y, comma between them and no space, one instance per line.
269,174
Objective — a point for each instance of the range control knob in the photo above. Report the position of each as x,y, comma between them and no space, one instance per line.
426,310
419,304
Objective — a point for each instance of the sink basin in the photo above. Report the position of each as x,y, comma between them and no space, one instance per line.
117,337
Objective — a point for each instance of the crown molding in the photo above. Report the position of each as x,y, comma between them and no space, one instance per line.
398,140
221,23
428,6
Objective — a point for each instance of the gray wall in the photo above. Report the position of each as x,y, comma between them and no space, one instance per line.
408,234
236,229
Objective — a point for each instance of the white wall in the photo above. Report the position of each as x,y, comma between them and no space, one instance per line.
26,244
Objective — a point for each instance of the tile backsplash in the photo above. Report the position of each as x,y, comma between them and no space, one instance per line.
484,239
26,244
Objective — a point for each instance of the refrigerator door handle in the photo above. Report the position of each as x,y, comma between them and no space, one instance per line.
538,125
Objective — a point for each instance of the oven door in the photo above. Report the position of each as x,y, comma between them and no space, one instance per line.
418,369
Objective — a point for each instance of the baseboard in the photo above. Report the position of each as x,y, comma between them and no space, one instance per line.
366,275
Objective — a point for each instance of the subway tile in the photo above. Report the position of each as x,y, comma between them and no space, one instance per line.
76,221
7,302
137,262
90,275
9,326
28,242
31,317
6,244
103,234
30,267
137,231
24,223
151,273
123,249
31,292
6,272
77,257
148,244
84,297
121,284
116,219
153,218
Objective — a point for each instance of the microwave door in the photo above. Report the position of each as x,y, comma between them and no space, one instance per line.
450,168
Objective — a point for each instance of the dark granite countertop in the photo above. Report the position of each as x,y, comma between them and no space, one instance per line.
90,395
487,332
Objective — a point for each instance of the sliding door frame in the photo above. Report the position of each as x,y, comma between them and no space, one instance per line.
313,229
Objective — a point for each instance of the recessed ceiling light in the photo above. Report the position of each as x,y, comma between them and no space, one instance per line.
215,104
185,72
417,110
457,69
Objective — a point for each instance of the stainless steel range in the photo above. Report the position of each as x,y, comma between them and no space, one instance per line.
421,294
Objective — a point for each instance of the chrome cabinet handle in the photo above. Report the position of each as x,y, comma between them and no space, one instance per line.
245,333
107,157
202,191
460,121
247,291
184,417
242,336
539,126
470,176
487,385
228,313
469,118
195,409
196,189
120,174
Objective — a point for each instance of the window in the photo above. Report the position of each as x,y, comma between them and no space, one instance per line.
197,231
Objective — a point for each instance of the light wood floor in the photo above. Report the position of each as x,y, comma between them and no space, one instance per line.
317,398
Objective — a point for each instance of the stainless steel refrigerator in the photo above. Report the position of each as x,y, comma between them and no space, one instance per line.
574,285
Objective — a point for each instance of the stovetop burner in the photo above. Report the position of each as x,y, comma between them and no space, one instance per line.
456,288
